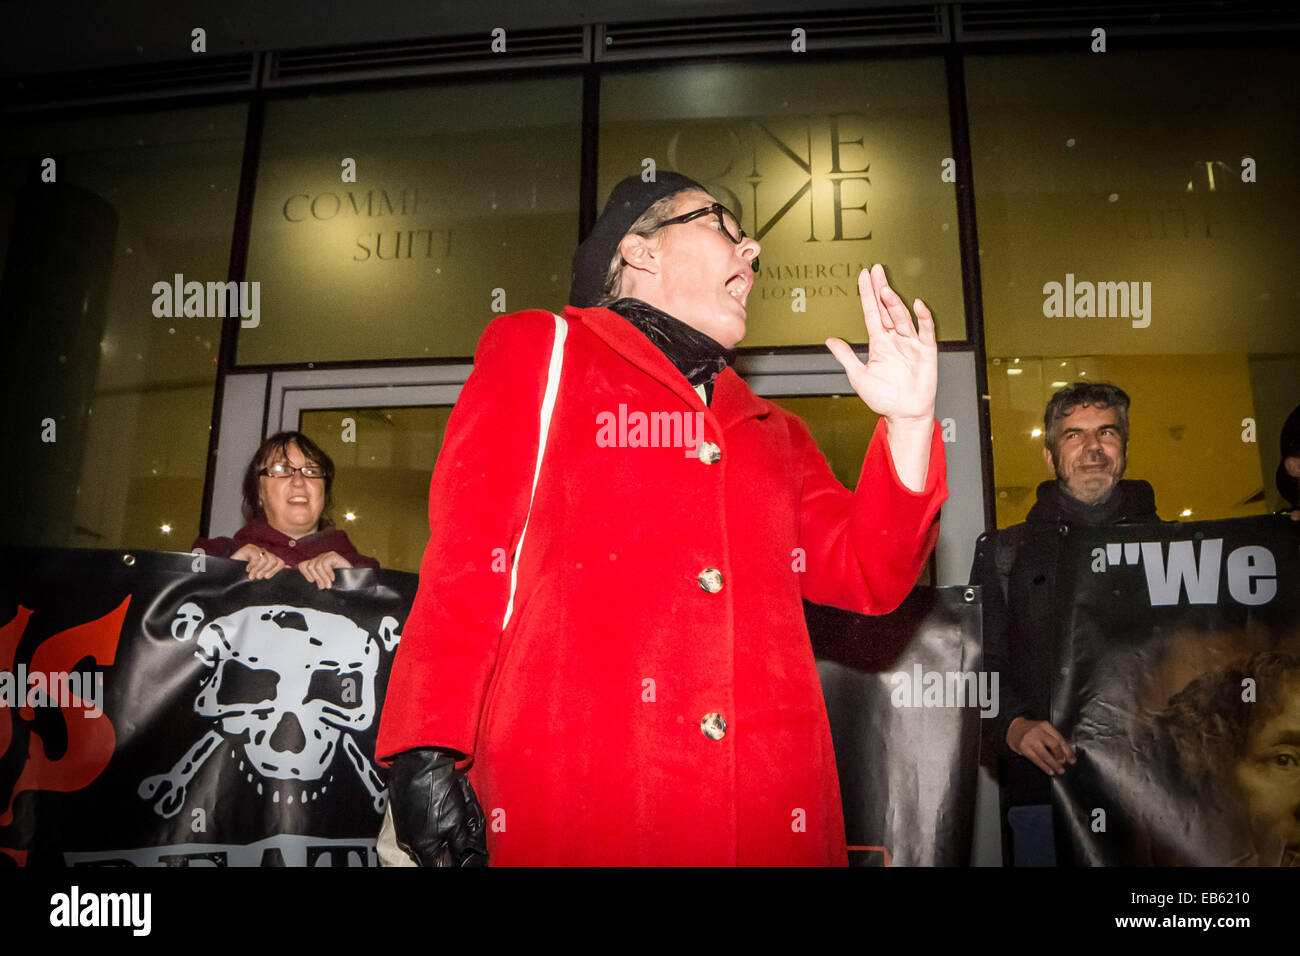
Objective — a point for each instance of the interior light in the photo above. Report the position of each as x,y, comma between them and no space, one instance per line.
1014,371
1186,513
350,515
166,529
1036,433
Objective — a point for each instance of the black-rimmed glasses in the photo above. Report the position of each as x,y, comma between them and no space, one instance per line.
286,471
727,221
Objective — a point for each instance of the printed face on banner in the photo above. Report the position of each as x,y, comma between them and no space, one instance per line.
1180,689
1268,775
1234,736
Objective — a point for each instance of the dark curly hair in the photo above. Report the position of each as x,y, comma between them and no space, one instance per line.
1194,747
1208,723
1095,394
274,449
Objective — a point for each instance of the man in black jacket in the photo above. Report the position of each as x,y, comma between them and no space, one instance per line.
1085,432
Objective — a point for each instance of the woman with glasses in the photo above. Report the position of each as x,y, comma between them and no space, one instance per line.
286,512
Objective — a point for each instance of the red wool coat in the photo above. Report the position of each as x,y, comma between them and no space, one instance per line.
586,719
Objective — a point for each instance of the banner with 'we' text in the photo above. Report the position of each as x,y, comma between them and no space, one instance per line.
1179,685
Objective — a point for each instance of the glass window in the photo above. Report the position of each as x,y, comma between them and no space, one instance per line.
832,167
1136,222
1171,434
383,463
840,424
464,204
108,389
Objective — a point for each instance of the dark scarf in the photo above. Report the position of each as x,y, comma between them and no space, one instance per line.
1131,502
698,357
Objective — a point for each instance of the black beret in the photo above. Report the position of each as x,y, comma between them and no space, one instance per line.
627,202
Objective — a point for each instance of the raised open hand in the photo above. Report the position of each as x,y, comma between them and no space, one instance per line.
901,374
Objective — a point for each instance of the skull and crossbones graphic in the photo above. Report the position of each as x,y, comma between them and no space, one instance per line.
287,685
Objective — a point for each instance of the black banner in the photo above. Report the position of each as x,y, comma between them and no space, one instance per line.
162,709
905,693
1179,684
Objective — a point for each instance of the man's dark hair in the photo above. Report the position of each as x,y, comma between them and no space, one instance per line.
274,449
1095,394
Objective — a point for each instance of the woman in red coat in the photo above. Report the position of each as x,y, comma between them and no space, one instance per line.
617,657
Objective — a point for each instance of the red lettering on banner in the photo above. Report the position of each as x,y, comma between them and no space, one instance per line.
10,635
91,738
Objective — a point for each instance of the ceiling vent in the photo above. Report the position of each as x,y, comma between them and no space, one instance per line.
157,81
524,48
886,26
1039,21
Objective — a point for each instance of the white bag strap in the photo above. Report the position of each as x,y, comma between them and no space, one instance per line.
548,407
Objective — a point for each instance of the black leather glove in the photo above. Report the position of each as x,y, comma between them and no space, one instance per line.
436,817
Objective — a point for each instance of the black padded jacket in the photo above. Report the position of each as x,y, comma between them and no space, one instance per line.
1018,570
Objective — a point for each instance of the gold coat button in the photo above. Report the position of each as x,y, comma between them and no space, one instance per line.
710,453
713,726
710,580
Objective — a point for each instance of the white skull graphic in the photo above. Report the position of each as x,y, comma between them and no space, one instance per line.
291,679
